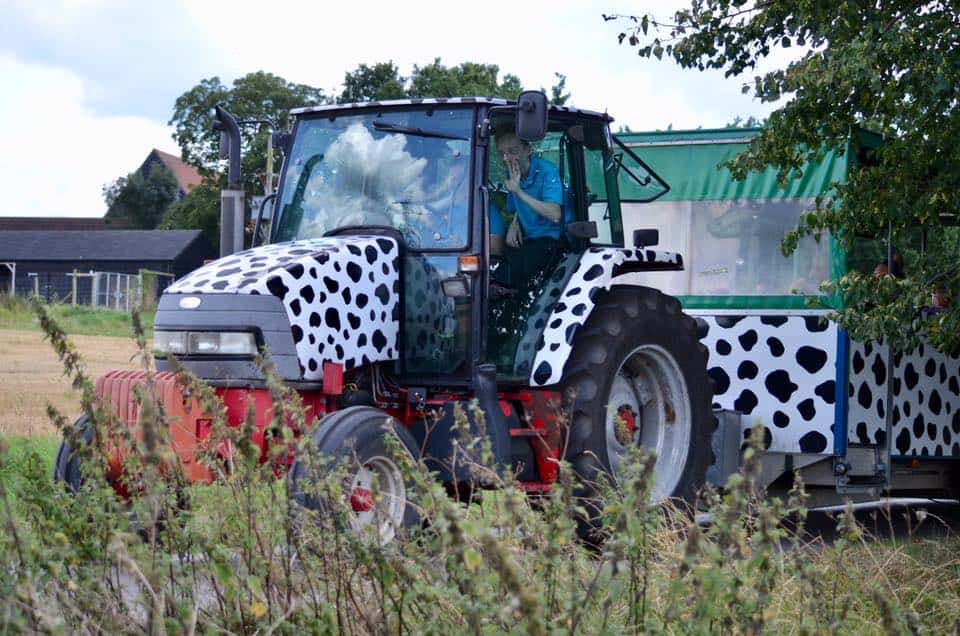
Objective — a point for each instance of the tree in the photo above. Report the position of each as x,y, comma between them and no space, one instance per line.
255,96
373,83
557,96
893,67
199,210
467,79
139,202
749,122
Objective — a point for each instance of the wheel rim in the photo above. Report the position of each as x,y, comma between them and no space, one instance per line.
378,498
649,406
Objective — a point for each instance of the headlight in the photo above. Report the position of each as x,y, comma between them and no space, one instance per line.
232,343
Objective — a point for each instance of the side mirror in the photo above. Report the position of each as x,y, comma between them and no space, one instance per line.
583,229
532,115
646,238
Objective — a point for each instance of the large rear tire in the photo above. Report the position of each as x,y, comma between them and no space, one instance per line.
377,490
637,376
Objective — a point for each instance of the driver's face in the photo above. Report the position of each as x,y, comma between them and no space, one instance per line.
512,150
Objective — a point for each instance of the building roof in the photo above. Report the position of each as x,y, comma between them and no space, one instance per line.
8,223
187,176
103,245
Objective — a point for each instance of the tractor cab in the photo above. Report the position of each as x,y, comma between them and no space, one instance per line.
428,173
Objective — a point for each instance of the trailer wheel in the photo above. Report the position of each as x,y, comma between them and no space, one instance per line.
66,468
637,376
377,491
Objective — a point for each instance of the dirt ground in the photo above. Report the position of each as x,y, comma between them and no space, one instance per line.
31,375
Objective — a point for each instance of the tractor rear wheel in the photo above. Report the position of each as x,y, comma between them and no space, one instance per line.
378,492
637,376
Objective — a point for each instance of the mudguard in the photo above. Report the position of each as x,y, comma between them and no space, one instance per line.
599,269
341,294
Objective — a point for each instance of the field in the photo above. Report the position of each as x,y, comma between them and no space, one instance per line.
31,376
240,560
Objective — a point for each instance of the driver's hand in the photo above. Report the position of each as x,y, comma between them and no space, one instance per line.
514,235
512,183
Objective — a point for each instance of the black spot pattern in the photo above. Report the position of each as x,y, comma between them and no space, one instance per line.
811,358
302,274
721,381
776,347
746,402
807,409
748,339
747,370
779,385
827,391
813,442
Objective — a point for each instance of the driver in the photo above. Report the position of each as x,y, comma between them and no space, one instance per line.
535,197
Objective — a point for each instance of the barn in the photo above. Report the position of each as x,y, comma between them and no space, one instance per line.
57,264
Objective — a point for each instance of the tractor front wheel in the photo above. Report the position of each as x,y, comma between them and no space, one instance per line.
67,467
375,486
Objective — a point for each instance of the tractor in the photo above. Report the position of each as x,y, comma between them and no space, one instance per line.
385,299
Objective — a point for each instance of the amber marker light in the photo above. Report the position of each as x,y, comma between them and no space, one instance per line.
469,263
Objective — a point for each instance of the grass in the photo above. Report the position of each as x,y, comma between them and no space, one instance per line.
15,313
24,452
241,559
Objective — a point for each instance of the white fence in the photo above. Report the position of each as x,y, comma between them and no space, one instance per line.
113,290
109,290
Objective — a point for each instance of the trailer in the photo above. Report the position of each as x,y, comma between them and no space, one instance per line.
856,419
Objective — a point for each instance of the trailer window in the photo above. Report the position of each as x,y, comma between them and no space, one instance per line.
732,248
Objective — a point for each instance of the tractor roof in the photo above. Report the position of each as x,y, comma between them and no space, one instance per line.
494,101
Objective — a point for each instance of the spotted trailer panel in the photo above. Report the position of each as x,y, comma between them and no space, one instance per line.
926,400
597,271
779,371
340,294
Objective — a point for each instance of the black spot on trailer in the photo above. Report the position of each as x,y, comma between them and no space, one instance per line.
813,442
748,339
776,346
773,321
779,385
746,402
811,358
721,381
827,391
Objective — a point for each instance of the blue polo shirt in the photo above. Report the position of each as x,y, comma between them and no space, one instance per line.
543,183
497,226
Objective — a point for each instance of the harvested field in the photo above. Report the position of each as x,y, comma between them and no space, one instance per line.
31,376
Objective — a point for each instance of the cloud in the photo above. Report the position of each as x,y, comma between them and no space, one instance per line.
86,86
321,42
58,153
134,58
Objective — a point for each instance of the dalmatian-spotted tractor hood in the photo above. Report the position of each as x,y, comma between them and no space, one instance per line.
340,295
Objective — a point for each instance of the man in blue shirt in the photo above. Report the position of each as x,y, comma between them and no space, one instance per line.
535,197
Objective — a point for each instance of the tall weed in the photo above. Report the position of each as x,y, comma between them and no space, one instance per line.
239,556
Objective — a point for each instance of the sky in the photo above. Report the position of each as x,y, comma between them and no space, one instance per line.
87,86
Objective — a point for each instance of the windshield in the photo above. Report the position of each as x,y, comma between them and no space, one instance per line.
409,170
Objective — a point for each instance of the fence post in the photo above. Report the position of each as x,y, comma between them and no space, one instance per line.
73,287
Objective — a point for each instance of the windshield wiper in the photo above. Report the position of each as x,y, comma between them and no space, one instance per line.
419,132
